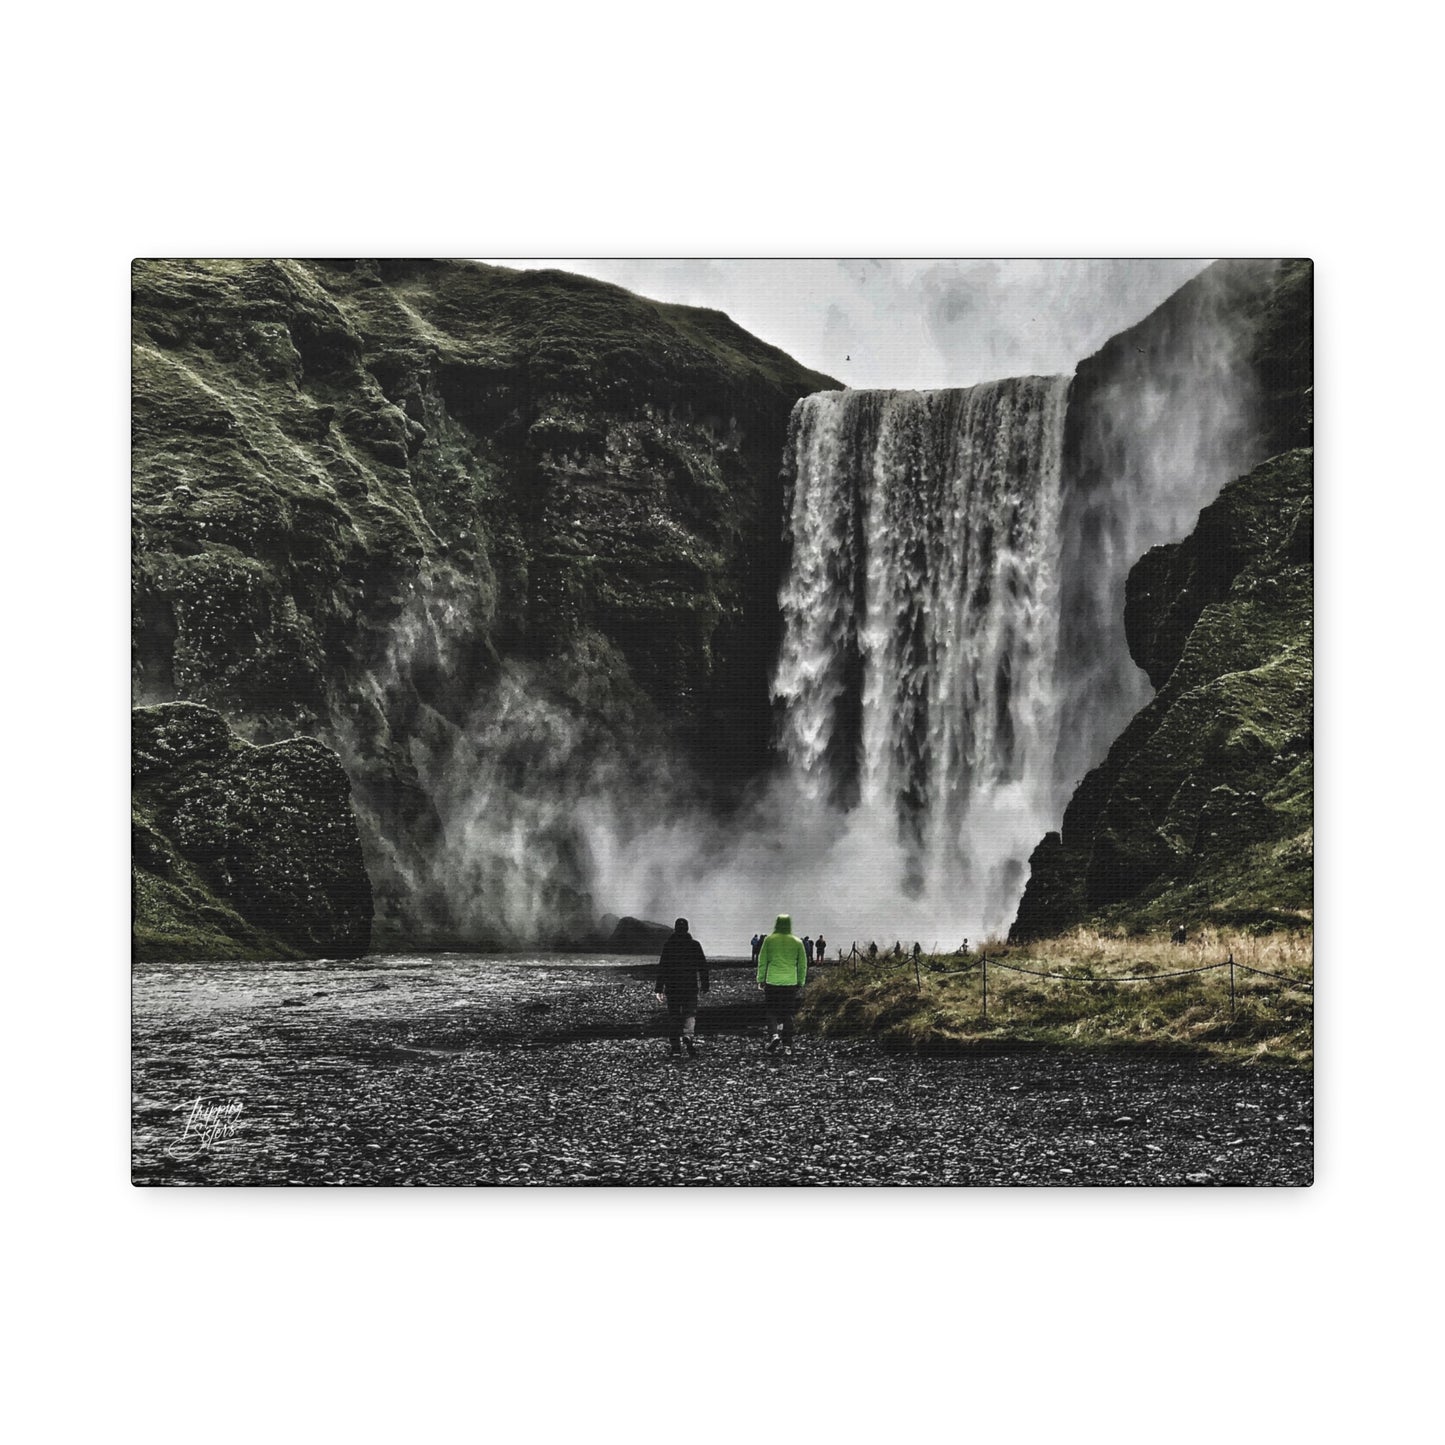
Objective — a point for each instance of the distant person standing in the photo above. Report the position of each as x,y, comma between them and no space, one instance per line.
782,972
820,949
681,975
757,944
808,947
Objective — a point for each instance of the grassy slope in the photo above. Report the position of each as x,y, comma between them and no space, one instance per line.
1271,1022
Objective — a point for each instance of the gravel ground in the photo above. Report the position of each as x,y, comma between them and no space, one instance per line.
456,1069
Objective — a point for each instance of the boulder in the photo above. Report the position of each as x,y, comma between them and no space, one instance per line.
638,935
241,851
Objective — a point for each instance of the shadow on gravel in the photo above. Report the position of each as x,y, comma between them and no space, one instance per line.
738,1013
712,1019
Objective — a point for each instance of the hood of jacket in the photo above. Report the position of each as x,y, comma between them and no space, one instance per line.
784,923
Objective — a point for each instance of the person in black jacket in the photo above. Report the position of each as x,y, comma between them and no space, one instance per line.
681,975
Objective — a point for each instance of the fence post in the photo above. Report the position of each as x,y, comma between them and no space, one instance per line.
983,958
1231,983
917,977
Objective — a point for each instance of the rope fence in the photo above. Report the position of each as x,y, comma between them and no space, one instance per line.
1109,978
984,963
1265,973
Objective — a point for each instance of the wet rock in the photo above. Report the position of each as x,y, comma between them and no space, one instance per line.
241,851
638,935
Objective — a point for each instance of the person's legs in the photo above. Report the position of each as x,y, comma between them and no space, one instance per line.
789,1006
687,1012
674,1025
774,1003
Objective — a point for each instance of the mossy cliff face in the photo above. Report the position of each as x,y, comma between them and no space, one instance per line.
241,851
1203,806
1210,384
485,532
1203,809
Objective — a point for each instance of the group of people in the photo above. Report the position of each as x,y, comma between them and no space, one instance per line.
897,949
781,959
814,948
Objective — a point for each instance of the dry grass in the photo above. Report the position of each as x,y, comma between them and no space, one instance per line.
1094,1004
1277,952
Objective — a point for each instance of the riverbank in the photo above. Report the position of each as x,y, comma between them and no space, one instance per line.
1087,990
457,1069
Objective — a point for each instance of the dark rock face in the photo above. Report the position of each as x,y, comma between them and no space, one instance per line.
1245,534
1206,387
1204,807
482,531
241,851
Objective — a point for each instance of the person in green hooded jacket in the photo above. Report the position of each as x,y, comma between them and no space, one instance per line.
782,972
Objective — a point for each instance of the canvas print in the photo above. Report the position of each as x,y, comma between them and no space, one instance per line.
722,723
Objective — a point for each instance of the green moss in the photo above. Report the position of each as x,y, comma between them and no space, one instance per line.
240,851
1203,808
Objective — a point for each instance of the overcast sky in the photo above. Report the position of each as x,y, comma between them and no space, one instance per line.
914,324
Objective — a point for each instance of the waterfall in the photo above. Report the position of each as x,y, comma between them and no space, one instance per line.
917,674
953,655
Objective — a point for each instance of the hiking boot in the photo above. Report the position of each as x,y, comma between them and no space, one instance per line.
674,1047
691,1048
775,1043
787,1051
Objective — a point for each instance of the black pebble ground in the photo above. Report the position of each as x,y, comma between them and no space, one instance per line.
458,1072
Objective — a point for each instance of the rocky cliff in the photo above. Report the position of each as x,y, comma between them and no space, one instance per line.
484,532
1202,808
1203,389
240,851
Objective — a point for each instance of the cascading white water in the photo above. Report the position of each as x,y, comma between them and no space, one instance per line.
953,659
918,668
